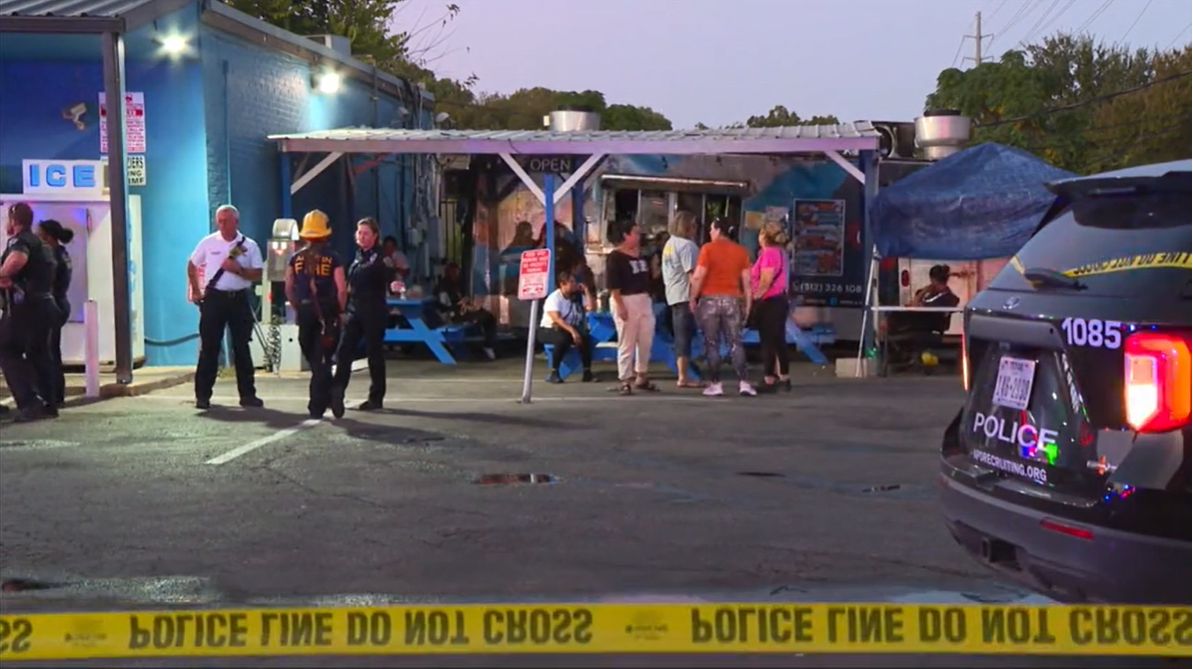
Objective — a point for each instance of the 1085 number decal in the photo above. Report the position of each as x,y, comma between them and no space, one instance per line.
1093,333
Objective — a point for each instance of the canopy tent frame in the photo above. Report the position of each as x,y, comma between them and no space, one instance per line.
998,187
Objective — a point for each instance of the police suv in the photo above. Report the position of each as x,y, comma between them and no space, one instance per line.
1068,467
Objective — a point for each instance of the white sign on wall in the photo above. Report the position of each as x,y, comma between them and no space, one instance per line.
134,120
136,170
83,178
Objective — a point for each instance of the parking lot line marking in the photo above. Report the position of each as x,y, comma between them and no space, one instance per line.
399,401
253,445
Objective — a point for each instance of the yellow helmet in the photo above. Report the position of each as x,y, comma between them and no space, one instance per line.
929,359
315,226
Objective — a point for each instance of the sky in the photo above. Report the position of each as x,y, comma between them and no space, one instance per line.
721,61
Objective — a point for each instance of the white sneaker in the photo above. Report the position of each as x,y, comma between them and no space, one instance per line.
714,390
746,390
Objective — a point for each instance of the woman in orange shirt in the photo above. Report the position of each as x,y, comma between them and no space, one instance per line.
721,298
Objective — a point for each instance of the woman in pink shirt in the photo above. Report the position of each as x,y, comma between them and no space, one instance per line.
769,280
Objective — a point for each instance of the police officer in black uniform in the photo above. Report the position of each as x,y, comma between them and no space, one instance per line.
56,236
369,278
26,280
317,289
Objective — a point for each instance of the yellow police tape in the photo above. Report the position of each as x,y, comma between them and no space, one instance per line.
1170,260
603,628
1173,260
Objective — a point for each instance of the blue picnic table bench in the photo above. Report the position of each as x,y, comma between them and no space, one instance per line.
417,331
604,340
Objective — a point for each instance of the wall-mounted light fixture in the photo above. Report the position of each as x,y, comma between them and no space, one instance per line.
328,81
174,45
171,42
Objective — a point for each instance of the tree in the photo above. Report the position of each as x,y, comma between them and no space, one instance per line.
408,54
363,22
629,117
779,116
1149,126
1061,99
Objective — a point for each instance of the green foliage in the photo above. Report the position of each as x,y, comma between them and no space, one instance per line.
1058,99
779,116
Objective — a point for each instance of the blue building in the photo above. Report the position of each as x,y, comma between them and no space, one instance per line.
205,85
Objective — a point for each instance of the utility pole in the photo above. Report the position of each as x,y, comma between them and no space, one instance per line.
977,55
977,40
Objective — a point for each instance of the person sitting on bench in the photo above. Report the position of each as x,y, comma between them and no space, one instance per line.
563,326
460,309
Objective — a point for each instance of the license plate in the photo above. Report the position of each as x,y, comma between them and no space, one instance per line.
1015,378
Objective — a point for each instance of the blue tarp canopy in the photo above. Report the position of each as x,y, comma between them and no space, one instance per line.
983,202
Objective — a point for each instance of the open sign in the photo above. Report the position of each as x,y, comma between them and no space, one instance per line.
64,177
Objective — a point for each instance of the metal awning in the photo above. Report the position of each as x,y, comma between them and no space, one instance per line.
827,140
860,136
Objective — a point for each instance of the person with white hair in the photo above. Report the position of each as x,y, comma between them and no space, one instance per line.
220,276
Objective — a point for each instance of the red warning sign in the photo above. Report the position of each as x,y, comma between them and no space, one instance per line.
533,274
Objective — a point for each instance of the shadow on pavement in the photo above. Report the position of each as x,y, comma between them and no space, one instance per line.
281,420
474,417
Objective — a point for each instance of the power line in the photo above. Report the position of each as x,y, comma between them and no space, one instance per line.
998,8
961,45
1097,130
1018,16
1136,21
1105,153
1025,10
1083,103
1047,24
1094,17
1178,36
1040,21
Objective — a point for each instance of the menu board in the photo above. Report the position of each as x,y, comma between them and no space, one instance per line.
819,235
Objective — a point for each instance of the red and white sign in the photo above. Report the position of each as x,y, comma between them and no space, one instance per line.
533,274
134,122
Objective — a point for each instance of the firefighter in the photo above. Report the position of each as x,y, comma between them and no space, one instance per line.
318,292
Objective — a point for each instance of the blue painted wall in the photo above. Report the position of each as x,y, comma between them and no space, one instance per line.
174,201
207,116
250,93
35,93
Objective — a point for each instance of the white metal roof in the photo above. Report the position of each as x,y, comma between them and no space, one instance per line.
793,139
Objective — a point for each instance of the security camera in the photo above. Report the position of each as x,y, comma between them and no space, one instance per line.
75,115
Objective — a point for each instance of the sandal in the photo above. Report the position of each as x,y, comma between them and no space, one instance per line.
625,389
689,384
647,386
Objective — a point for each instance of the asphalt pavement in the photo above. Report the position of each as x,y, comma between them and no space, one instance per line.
826,493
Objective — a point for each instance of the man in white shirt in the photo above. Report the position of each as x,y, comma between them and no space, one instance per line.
679,261
220,275
563,326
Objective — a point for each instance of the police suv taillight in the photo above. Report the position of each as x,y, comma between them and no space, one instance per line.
1156,381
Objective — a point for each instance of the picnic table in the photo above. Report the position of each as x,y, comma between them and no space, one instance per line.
416,330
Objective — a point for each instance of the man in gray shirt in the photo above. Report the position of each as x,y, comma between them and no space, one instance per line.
679,261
